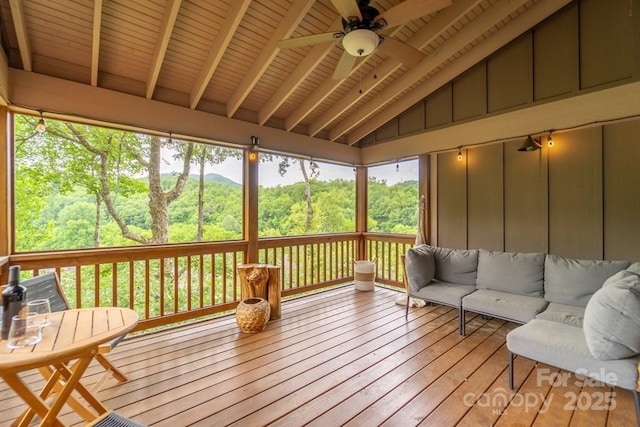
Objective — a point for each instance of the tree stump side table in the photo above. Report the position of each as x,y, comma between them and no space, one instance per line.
261,281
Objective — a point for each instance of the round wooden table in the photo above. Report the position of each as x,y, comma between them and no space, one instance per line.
68,345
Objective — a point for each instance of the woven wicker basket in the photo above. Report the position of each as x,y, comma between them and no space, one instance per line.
252,314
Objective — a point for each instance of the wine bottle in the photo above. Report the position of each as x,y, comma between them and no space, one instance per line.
14,299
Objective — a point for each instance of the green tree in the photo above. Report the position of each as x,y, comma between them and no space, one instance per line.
213,155
107,164
283,167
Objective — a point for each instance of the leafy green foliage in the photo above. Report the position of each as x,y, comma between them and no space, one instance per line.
393,208
78,186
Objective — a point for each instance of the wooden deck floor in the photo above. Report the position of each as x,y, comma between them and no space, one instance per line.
342,357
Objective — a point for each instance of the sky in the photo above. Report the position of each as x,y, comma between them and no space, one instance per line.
269,176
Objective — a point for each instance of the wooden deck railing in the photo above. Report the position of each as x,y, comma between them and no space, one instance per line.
173,283
386,249
311,262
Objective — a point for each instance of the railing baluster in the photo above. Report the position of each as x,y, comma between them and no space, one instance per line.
200,281
114,284
212,257
131,285
147,290
235,278
224,277
161,272
176,275
96,285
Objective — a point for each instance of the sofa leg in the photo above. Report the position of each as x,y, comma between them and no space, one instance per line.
406,310
461,328
511,371
636,395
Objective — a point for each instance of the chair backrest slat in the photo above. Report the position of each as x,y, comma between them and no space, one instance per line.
46,286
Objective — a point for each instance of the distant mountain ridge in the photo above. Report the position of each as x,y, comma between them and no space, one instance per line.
210,177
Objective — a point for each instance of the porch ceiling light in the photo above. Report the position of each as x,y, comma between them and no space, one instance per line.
360,42
41,126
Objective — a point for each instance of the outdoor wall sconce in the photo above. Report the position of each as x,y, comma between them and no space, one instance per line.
550,140
41,126
255,147
530,144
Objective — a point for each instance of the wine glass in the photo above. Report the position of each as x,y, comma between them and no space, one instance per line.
42,309
24,331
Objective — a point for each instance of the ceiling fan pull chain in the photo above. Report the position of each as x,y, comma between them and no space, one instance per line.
360,75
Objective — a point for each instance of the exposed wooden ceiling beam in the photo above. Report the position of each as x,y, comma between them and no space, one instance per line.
218,48
297,76
290,21
95,41
17,13
312,101
420,40
160,49
466,35
506,34
368,83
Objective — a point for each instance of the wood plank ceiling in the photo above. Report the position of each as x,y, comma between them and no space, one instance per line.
222,57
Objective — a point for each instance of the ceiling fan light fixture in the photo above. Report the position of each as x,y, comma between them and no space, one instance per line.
360,42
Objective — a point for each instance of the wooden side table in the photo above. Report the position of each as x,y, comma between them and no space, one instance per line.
261,281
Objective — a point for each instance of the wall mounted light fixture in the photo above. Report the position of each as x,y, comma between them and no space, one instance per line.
254,148
41,126
255,143
530,144
550,140
459,154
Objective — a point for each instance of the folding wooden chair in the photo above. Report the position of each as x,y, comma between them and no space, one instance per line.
48,286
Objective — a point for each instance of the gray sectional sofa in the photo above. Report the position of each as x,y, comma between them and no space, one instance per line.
579,315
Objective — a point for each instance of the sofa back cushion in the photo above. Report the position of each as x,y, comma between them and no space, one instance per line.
456,265
634,268
612,318
574,281
419,266
516,273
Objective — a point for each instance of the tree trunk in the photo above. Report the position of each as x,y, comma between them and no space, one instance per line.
203,159
98,222
158,206
307,189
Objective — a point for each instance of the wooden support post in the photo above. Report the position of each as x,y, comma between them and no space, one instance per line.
361,211
261,281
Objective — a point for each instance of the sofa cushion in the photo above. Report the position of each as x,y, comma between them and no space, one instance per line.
456,265
517,273
573,281
565,347
519,308
563,313
612,318
419,266
634,268
444,293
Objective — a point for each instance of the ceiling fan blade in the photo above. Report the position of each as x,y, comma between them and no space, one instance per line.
400,51
308,40
347,8
409,10
344,67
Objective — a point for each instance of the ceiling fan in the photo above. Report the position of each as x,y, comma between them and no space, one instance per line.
361,35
